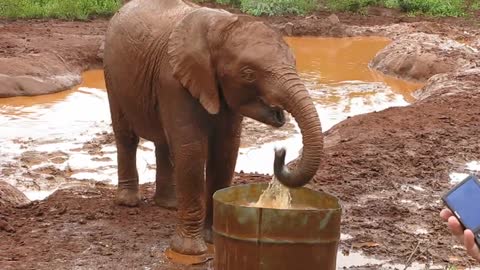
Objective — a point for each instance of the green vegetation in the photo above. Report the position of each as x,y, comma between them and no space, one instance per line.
352,5
270,7
278,7
83,9
434,7
454,8
300,7
63,9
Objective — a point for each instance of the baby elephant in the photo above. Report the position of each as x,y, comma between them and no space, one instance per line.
183,77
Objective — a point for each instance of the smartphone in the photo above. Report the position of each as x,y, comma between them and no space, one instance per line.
464,202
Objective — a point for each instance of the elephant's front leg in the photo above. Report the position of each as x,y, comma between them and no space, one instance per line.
189,169
165,188
223,152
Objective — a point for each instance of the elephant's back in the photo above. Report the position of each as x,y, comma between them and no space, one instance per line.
136,41
140,22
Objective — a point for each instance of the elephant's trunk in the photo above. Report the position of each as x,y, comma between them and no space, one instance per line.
300,105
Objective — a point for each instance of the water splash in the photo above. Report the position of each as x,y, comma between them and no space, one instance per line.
275,196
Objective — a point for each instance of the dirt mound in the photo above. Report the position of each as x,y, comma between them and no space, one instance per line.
10,196
40,57
419,56
390,169
463,81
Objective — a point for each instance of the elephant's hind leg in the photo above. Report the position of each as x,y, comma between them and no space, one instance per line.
165,187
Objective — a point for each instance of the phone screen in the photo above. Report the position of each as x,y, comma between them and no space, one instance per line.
465,201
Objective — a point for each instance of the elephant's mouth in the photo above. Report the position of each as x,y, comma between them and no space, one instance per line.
270,115
278,117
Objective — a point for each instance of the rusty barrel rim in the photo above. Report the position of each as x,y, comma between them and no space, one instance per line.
218,197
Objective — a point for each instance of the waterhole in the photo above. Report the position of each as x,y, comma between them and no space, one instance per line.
77,122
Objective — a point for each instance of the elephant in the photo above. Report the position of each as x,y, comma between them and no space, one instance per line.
184,76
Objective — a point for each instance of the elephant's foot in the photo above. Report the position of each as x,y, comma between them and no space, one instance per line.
127,197
208,235
188,245
168,201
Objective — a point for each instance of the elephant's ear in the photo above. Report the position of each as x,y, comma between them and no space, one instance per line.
189,50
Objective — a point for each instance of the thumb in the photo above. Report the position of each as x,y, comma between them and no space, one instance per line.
470,245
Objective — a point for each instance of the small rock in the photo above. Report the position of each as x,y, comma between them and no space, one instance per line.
11,196
4,226
289,28
133,212
333,19
101,49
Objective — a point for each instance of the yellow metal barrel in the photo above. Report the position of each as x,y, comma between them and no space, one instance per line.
302,238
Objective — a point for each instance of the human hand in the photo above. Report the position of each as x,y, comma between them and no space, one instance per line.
464,236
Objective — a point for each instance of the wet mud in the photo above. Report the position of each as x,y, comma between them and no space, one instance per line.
388,167
39,57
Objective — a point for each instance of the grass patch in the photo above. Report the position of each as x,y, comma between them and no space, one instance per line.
278,7
62,9
83,9
351,5
270,7
453,8
475,5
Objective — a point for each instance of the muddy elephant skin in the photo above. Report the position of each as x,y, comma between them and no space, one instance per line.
183,77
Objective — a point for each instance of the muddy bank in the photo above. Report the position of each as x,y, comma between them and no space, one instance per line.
39,57
419,56
390,169
11,196
466,81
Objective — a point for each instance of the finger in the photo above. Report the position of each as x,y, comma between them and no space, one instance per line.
470,245
445,214
456,228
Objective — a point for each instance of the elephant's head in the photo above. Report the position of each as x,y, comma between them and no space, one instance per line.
236,60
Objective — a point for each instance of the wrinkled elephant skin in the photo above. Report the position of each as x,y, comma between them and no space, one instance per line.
183,77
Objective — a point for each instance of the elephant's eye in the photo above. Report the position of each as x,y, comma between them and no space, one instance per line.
248,74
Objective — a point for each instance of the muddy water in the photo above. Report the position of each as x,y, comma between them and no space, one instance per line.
343,61
61,114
